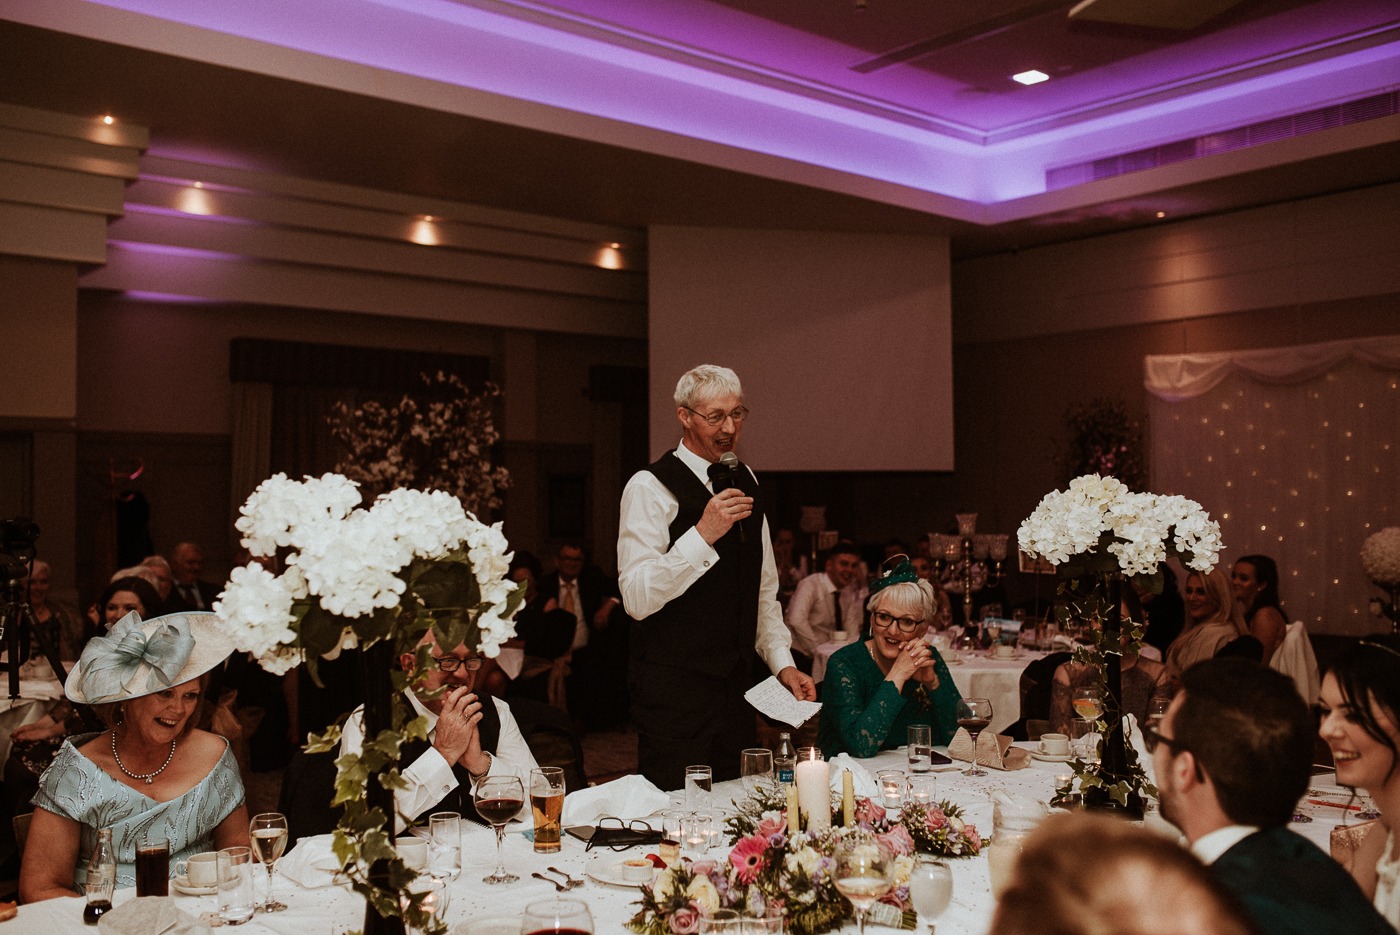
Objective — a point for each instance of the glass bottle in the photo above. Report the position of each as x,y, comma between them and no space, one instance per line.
101,877
785,759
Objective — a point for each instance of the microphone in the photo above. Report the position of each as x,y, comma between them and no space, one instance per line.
729,464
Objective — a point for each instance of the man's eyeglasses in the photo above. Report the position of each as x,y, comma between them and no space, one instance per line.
884,621
453,663
613,833
1152,738
716,418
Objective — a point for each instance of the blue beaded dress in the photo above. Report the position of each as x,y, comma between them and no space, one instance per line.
77,788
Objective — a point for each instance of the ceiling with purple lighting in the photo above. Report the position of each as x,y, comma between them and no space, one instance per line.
877,114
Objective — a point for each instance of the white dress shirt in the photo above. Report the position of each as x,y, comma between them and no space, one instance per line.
653,572
1209,847
811,613
430,777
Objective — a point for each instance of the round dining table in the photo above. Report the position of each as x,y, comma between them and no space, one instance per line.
478,909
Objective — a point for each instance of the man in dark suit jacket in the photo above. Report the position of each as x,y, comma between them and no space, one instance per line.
1232,757
189,592
597,684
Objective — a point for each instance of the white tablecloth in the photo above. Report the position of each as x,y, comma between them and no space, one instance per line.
333,910
977,675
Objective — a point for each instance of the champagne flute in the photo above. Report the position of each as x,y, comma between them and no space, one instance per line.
1088,703
974,716
756,769
499,799
557,917
931,888
864,872
268,831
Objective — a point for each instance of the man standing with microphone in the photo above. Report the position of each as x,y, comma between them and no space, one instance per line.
697,575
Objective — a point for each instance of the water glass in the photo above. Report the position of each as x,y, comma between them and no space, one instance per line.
698,783
235,885
1084,740
920,748
433,902
756,769
445,845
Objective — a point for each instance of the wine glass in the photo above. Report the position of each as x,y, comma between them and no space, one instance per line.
1088,703
756,769
974,715
498,800
864,872
557,915
931,888
432,903
268,831
1156,710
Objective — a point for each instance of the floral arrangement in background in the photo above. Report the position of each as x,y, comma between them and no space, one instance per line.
1097,529
441,441
1380,556
768,871
1103,440
354,577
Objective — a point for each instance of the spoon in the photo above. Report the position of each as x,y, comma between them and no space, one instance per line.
560,887
571,881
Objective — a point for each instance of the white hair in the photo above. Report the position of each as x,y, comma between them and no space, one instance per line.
156,561
144,572
707,381
914,598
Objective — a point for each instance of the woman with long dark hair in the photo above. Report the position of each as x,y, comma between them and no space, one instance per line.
1255,581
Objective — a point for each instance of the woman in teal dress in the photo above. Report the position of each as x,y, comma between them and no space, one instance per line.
876,688
151,776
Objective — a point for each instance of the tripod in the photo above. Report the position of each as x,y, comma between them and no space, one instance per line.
19,630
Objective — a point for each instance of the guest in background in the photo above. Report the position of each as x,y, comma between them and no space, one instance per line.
1212,621
34,746
1255,580
1360,706
597,679
1143,679
823,604
1165,611
923,567
791,568
1086,874
147,575
151,774
165,583
876,688
186,566
1232,756
62,625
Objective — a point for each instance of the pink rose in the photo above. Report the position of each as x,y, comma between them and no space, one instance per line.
970,832
897,839
869,812
935,818
685,921
771,826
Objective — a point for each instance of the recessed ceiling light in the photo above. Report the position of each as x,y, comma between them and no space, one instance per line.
109,119
1030,77
1161,214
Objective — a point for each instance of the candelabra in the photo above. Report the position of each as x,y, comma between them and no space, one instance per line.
962,560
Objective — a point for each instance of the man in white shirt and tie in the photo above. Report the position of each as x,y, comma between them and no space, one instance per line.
825,603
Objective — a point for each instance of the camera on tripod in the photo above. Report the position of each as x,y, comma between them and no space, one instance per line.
18,628
18,538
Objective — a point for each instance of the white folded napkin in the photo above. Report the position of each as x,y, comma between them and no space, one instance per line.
1134,735
150,915
860,776
311,863
626,798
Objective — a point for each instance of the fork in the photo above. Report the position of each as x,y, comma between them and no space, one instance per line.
570,881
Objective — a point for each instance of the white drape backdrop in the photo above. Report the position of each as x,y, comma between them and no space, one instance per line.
1296,452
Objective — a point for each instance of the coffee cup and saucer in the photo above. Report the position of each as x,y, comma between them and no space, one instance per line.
1053,748
1004,651
198,876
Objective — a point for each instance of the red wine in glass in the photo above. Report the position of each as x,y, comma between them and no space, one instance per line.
499,799
499,811
974,715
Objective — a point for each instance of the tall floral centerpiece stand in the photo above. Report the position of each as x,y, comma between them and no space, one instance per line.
1100,535
370,581
1380,558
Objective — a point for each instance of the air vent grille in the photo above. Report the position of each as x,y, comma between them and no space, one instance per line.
1267,131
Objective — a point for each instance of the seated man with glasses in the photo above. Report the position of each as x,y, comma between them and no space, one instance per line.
1232,756
875,689
468,739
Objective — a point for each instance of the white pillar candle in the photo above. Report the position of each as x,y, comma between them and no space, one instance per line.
814,794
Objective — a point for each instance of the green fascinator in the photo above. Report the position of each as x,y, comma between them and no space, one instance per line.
903,571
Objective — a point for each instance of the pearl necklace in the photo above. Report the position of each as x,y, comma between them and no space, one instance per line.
147,777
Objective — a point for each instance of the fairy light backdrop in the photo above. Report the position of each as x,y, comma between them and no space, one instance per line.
1296,452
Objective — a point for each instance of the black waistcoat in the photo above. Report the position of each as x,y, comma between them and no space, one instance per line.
710,628
460,798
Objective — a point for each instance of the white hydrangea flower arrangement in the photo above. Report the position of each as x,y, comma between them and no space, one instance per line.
1099,524
351,572
1380,557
